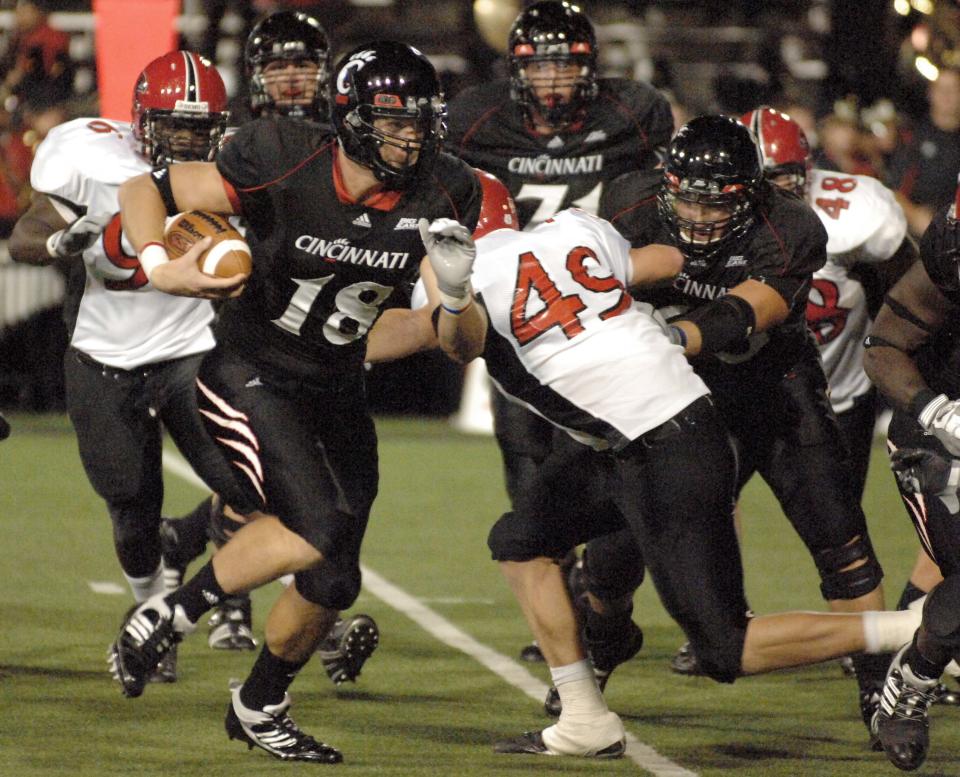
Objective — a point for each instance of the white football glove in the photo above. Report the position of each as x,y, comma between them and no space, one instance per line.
78,236
941,418
451,252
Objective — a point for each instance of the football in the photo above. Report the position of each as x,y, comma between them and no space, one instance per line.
228,255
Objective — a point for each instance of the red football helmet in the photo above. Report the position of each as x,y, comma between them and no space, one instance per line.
179,109
498,210
784,146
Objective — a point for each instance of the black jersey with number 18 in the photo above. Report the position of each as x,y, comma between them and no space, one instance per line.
323,267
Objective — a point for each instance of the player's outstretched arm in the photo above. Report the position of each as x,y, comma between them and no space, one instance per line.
146,200
914,310
50,231
401,332
654,263
462,324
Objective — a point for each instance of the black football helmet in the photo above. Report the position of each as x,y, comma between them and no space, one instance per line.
387,80
552,31
713,162
288,36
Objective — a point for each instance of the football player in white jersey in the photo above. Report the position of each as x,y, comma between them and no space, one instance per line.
566,339
868,249
134,352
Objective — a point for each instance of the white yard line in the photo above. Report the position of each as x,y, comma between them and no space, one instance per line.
443,630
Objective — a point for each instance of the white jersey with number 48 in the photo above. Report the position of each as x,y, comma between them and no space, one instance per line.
865,225
121,320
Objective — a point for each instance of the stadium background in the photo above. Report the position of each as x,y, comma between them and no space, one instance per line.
431,700
858,65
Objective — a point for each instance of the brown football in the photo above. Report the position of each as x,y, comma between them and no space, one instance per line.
228,255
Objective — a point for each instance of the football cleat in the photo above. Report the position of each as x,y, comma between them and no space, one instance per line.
685,661
572,739
946,695
901,720
146,636
847,667
231,626
166,671
273,730
869,703
347,647
532,654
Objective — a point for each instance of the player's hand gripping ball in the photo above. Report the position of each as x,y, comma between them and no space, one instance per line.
229,253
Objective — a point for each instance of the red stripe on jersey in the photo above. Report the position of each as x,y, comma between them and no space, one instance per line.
232,195
383,199
289,172
476,125
635,205
783,248
626,112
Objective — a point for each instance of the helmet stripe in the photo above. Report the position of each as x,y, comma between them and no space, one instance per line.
192,84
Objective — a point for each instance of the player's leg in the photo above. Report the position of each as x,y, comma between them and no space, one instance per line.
807,470
927,478
231,626
119,443
529,546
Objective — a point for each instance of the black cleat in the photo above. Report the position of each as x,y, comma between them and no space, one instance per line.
146,636
175,560
847,667
532,654
532,742
273,730
347,647
869,703
231,625
606,656
901,719
685,661
166,671
946,695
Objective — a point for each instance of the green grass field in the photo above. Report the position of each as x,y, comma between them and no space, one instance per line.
421,706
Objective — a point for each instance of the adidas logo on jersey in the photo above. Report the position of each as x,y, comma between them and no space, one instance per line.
595,137
253,382
363,220
406,223
736,261
555,142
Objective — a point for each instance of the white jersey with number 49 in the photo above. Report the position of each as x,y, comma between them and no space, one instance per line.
567,340
121,321
865,225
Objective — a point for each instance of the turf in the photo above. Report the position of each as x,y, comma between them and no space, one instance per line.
420,707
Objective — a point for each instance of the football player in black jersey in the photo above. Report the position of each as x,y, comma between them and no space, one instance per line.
563,135
738,309
333,226
913,357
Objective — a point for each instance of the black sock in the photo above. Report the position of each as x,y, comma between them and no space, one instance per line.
919,665
198,594
191,532
871,670
268,680
910,594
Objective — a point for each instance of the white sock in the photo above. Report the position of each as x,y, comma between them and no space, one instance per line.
145,587
579,694
889,630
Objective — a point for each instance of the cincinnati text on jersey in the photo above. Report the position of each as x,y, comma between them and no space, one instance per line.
340,250
687,285
545,165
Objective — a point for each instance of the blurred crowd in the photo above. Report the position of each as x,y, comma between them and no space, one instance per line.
916,154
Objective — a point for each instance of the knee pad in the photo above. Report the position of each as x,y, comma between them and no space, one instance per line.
513,538
852,583
941,612
613,566
136,539
329,586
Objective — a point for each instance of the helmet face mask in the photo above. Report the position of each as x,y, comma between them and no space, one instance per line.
711,184
389,113
287,58
553,62
179,109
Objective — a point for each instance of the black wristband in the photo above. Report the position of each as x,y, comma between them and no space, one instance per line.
161,179
920,400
